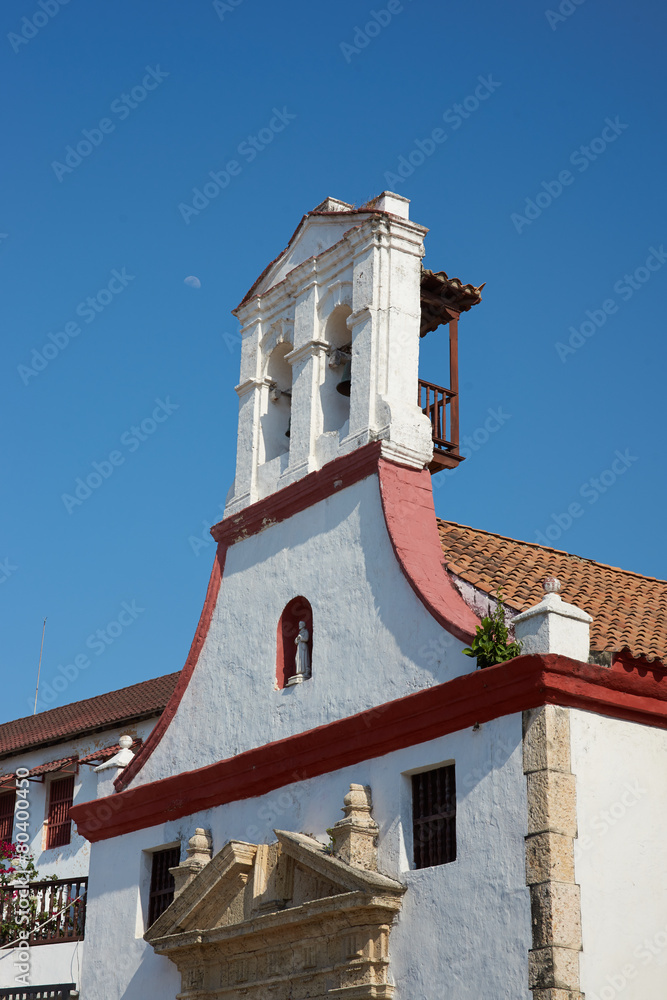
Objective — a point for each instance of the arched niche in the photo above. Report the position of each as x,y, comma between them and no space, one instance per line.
275,422
298,610
335,406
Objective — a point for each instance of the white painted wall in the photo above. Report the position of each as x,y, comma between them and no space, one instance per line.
620,856
373,640
464,930
50,964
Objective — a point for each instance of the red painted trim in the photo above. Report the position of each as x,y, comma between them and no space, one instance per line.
184,679
407,501
526,682
287,629
333,477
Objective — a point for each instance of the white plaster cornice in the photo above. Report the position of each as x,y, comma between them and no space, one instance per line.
360,316
243,388
307,350
404,455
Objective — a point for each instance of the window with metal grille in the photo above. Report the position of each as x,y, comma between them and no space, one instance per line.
162,882
59,825
434,816
61,992
7,802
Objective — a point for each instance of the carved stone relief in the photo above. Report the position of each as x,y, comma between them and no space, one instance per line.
285,921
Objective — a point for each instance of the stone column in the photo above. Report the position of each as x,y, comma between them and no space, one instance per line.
253,396
307,374
553,962
385,320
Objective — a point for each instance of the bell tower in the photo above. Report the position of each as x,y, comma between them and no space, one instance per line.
330,348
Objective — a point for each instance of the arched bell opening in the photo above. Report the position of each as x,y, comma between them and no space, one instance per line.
276,421
294,643
335,389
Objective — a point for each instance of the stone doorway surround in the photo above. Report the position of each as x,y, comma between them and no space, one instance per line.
284,920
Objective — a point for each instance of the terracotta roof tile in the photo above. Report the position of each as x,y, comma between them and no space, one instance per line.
629,610
104,711
52,765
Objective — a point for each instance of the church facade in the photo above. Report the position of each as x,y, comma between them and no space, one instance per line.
327,673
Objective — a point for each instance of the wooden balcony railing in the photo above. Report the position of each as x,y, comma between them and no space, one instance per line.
441,406
57,912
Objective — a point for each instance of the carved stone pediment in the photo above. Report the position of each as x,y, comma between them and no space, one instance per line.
283,921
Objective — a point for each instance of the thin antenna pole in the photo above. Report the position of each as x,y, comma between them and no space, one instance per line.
41,648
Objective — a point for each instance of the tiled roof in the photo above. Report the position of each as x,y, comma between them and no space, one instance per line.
52,765
629,611
105,711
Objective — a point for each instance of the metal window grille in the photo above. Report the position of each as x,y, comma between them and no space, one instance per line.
61,992
7,802
162,882
59,827
434,817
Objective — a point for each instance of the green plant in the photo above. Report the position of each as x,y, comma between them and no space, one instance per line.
491,644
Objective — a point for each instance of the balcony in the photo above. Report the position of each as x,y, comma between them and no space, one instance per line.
57,914
441,406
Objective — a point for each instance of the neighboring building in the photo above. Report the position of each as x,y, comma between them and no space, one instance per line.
55,753
503,828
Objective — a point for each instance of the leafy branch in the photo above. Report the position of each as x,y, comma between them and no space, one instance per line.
492,644
17,874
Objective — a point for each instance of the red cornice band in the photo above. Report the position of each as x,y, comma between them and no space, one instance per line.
523,683
331,478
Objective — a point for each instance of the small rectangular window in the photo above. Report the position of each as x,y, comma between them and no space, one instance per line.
59,825
7,802
162,882
434,816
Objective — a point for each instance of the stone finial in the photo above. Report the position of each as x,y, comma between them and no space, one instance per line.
553,626
355,837
198,856
120,759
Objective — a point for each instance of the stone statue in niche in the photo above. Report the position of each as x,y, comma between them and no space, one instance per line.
302,658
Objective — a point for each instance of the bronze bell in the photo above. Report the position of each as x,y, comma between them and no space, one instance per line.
343,386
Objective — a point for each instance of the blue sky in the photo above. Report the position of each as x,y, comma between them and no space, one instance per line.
94,252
